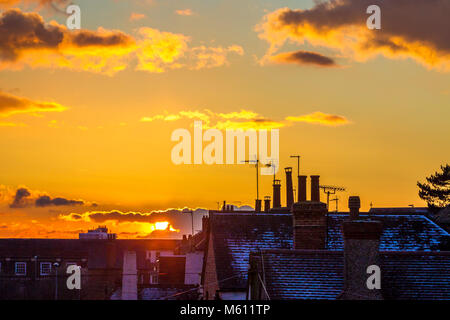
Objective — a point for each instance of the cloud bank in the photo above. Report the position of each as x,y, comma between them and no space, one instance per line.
247,119
27,40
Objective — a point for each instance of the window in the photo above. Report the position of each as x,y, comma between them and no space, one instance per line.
46,268
154,279
20,268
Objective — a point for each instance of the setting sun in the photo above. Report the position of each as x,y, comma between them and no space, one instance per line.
163,225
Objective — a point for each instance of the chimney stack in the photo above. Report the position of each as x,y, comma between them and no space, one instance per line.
310,228
204,223
276,193
258,205
289,188
302,188
361,242
266,203
354,203
315,190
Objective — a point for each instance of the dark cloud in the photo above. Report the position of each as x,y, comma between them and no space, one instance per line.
11,104
25,198
425,21
419,29
25,39
170,215
304,58
19,198
26,31
45,201
85,38
178,218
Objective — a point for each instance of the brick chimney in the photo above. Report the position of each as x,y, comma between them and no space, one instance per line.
276,193
266,203
361,242
302,188
258,205
315,190
289,188
309,225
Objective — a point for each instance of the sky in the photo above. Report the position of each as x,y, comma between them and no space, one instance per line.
86,116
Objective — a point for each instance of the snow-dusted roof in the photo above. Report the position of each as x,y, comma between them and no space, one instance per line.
236,234
318,274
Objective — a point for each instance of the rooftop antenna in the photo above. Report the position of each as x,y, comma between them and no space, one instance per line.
298,163
298,175
271,164
330,190
256,163
336,200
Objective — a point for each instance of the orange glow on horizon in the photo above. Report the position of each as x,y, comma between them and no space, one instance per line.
163,225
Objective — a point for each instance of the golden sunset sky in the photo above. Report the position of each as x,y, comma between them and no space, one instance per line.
86,116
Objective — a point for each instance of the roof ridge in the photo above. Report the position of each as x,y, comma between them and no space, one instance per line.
297,251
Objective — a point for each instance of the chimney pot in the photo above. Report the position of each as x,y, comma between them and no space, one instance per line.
276,193
315,189
302,188
258,205
289,188
354,203
266,203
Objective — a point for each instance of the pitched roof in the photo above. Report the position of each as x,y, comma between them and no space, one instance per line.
159,292
318,274
236,234
400,232
399,210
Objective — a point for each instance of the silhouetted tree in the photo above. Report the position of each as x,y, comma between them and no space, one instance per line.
436,191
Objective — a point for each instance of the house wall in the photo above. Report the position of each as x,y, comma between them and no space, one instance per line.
194,265
33,285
